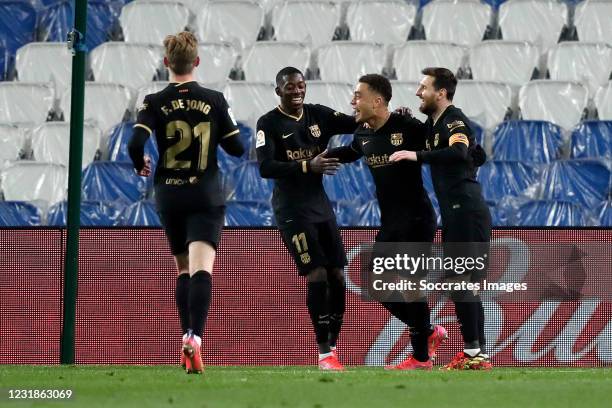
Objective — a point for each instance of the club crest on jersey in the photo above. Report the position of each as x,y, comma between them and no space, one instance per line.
305,257
454,125
436,139
396,139
315,131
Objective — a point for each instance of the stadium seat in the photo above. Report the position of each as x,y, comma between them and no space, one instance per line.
238,22
592,139
588,63
348,60
228,163
113,181
603,101
410,58
404,94
559,102
4,62
132,65
500,179
585,182
150,88
499,217
57,66
529,141
368,214
217,60
19,214
380,21
246,184
537,21
592,20
51,143
547,213
464,23
12,143
352,183
117,101
139,214
512,62
149,22
57,20
26,101
93,214
248,214
119,139
346,213
250,100
34,181
340,140
265,58
604,214
17,24
336,95
193,5
484,102
323,17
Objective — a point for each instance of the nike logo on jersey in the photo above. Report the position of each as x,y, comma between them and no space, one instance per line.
365,142
286,136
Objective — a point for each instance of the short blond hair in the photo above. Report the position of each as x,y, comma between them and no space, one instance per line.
181,51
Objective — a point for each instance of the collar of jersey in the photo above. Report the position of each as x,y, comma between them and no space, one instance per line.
181,83
291,116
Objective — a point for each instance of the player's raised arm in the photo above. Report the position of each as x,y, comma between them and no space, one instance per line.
346,154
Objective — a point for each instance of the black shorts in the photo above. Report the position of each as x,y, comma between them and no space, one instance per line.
422,229
184,228
314,245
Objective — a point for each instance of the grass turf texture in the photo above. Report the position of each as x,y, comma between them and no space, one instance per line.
163,386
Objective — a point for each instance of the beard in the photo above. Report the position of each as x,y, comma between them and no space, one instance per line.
427,108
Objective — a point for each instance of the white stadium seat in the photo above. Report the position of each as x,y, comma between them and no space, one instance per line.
105,104
588,63
250,100
410,58
132,65
603,101
234,21
25,101
150,88
537,21
336,95
382,21
45,62
46,182
216,62
151,21
404,94
51,143
348,60
484,102
265,58
592,20
193,5
462,22
322,17
501,60
12,143
559,102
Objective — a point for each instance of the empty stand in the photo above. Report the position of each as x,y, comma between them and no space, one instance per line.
12,143
500,179
604,214
120,136
51,143
248,213
592,139
592,20
322,17
342,60
93,214
132,65
485,102
250,100
528,141
404,94
410,58
548,213
17,24
368,214
19,214
462,22
380,21
603,101
265,58
150,22
46,182
216,62
25,101
559,102
150,88
336,95
141,214
352,183
512,62
245,184
113,181
45,62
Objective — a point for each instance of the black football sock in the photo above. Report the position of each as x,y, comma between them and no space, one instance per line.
415,315
316,300
467,311
200,294
181,296
482,338
337,305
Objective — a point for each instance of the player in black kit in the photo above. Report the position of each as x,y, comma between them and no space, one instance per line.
291,149
465,215
189,122
406,211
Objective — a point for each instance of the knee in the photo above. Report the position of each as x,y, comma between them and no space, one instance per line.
317,275
336,276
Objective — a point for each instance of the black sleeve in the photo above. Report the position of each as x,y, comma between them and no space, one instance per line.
136,146
416,131
458,144
265,146
346,154
232,145
337,122
227,124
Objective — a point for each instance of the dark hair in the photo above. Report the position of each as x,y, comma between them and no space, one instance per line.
378,84
286,72
443,79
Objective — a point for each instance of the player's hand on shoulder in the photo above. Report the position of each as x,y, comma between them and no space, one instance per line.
146,169
403,155
324,165
404,111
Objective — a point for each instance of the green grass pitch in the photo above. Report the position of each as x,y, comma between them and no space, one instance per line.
164,386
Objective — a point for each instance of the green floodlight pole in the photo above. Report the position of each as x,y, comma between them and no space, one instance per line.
76,43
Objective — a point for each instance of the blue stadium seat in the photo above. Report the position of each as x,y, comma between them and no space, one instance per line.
592,139
4,59
604,214
499,217
56,20
18,214
527,141
506,178
118,142
346,213
368,214
228,163
248,213
584,182
17,24
113,181
139,214
93,213
544,213
352,183
479,133
245,183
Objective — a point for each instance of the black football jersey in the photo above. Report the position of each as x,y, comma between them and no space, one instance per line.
284,144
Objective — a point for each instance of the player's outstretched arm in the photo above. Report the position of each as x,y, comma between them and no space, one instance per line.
345,154
232,145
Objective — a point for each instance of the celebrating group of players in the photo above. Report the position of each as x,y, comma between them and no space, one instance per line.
190,121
